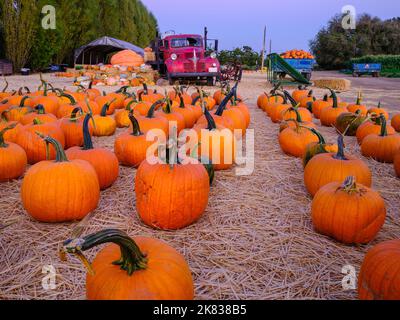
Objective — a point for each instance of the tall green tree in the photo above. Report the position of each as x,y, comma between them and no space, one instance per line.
18,27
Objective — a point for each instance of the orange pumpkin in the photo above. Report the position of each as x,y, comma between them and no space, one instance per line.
372,127
379,275
61,190
40,115
358,106
396,122
379,111
131,147
73,129
314,149
329,167
171,197
104,126
348,212
329,114
382,147
300,93
103,161
13,160
318,105
139,268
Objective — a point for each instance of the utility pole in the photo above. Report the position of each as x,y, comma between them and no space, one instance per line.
263,49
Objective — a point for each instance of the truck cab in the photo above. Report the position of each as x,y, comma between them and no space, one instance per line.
185,57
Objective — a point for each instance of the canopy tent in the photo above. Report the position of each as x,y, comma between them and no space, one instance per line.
97,51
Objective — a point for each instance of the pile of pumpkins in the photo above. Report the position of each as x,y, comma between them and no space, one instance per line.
51,130
344,206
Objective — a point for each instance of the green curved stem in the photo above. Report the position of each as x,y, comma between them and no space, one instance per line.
210,120
87,139
321,139
132,259
40,109
135,126
340,154
60,153
69,97
74,113
2,132
384,131
152,110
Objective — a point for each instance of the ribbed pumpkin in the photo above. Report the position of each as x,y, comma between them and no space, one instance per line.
131,147
274,102
137,269
307,101
294,141
379,111
67,105
16,113
329,167
13,160
382,147
329,114
103,100
300,93
348,212
237,103
379,275
40,114
50,103
293,119
103,161
374,126
396,122
358,106
11,134
294,112
216,143
73,129
319,105
317,148
60,190
171,196
348,123
104,126
34,146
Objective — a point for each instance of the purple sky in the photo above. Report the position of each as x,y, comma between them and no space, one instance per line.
290,23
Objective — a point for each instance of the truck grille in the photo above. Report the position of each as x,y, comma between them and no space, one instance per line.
202,67
189,55
188,67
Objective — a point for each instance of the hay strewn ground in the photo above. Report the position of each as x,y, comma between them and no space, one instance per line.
255,241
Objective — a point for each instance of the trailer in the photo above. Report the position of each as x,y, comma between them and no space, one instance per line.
373,69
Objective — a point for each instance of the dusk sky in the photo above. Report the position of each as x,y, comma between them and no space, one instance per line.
290,23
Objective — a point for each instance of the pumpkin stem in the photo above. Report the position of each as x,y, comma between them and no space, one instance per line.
40,109
106,107
340,154
22,103
135,125
325,99
321,139
5,88
69,97
349,185
194,101
210,120
132,259
74,113
87,139
299,119
384,131
224,103
128,106
2,132
359,99
60,153
152,110
334,97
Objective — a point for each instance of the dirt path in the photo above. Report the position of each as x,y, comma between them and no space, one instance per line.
255,240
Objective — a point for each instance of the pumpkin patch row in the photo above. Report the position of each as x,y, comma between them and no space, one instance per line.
52,130
344,206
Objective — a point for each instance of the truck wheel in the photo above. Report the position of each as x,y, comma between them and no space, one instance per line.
211,81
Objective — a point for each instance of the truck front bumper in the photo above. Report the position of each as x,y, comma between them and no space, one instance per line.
194,74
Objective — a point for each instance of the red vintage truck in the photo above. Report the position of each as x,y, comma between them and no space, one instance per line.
187,57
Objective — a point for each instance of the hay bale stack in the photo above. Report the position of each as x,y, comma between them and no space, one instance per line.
338,84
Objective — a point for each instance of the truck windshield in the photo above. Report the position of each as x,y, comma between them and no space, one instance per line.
186,42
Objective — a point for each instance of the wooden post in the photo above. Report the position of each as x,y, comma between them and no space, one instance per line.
263,49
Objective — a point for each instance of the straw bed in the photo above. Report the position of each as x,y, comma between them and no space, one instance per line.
255,240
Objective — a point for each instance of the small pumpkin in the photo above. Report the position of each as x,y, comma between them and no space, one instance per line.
104,126
319,105
40,114
171,196
122,116
13,159
103,161
314,149
329,114
73,129
358,106
300,93
16,113
329,167
131,147
294,141
374,126
36,149
379,275
348,212
307,101
137,269
62,190
379,111
382,147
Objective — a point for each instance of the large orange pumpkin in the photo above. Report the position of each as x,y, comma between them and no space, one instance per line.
374,126
379,277
60,190
171,197
348,212
136,269
329,167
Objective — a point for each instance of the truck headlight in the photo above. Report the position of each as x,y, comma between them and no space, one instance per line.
213,55
174,56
